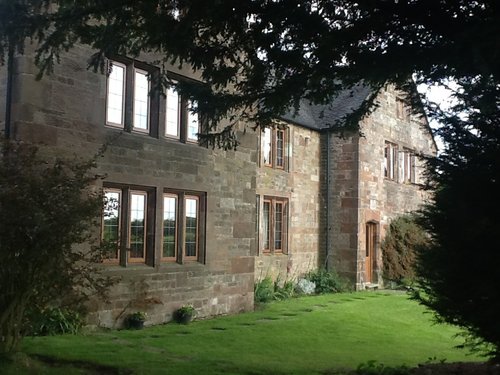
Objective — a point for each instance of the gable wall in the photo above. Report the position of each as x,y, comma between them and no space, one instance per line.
382,199
66,113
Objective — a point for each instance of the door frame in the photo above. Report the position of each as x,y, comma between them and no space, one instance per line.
371,250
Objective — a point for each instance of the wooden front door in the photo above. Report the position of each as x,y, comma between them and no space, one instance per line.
371,236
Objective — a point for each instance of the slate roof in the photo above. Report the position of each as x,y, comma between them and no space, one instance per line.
324,116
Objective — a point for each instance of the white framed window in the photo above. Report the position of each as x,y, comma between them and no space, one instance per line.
141,100
115,103
172,113
130,103
181,122
193,122
274,145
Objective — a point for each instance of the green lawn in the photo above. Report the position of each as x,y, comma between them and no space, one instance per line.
309,335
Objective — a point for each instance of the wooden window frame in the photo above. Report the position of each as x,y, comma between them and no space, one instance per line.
273,202
176,234
197,243
390,161
187,112
148,119
267,234
150,228
180,250
409,166
123,252
274,155
142,259
183,114
118,245
283,149
402,112
268,163
179,114
112,63
131,67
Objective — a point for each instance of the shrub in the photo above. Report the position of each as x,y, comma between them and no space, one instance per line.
53,321
285,291
305,286
267,290
399,249
264,290
47,206
328,281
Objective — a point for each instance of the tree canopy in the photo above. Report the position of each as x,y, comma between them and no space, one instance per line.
259,58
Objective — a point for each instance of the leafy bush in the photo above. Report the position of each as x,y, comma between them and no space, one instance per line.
53,321
328,281
48,205
399,249
305,286
264,290
267,290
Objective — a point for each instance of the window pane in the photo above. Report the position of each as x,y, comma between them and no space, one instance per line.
111,221
406,166
284,244
115,95
280,143
137,224
191,234
169,226
390,160
278,226
266,220
267,146
413,169
386,160
172,113
192,122
141,100
394,158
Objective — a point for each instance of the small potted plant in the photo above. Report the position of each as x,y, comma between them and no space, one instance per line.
184,314
135,320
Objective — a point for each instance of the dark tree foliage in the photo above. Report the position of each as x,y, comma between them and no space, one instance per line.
258,58
459,268
399,248
46,207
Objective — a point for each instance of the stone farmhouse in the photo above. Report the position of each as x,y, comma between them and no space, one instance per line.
200,226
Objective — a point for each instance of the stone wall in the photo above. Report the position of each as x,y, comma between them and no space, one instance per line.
66,113
301,185
343,207
357,191
382,199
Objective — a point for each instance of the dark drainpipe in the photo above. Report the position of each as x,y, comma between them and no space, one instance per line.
8,99
327,254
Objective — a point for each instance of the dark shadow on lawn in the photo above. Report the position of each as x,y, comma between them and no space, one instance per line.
89,367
